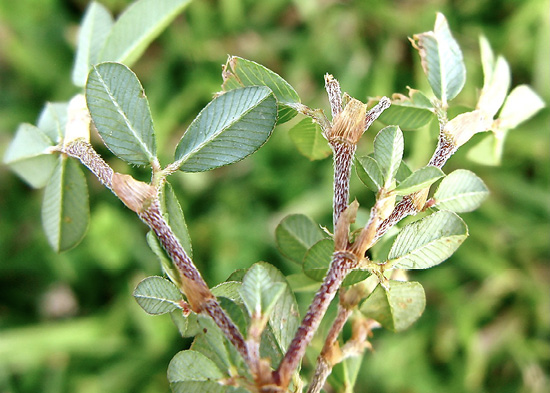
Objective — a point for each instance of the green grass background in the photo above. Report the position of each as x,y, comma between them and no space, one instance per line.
486,327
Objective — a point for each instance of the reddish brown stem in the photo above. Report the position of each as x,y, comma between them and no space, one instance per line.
342,263
343,156
445,149
325,361
195,288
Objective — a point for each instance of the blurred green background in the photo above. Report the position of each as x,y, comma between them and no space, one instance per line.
68,322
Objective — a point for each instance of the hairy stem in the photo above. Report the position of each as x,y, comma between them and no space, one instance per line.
343,156
84,151
195,288
445,149
342,263
326,359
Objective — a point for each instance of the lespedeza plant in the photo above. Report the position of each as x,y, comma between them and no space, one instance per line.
248,334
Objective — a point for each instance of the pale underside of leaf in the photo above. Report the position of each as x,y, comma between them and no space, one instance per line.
442,60
428,242
140,24
120,112
157,295
461,191
27,155
65,210
95,28
388,151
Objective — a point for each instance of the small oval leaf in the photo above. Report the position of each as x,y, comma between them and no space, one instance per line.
172,212
488,150
157,295
317,261
285,316
369,172
388,152
95,28
461,191
165,262
419,179
521,104
239,72
137,26
53,120
309,140
295,234
230,128
27,155
428,242
495,89
191,371
120,111
396,308
408,117
258,292
65,209
442,60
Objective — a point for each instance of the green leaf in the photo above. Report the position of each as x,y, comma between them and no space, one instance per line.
295,234
461,129
461,191
317,261
487,60
521,104
53,120
192,372
408,117
285,317
397,308
157,295
402,172
299,282
258,292
239,72
27,155
65,209
120,112
442,60
369,172
188,326
95,28
419,179
388,152
309,140
495,89
165,262
428,242
488,151
212,343
230,290
140,24
344,374
230,128
172,212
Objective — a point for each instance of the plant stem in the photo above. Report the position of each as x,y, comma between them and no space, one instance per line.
343,156
194,287
445,149
84,151
326,360
342,263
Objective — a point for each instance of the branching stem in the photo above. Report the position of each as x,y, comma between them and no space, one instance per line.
193,285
